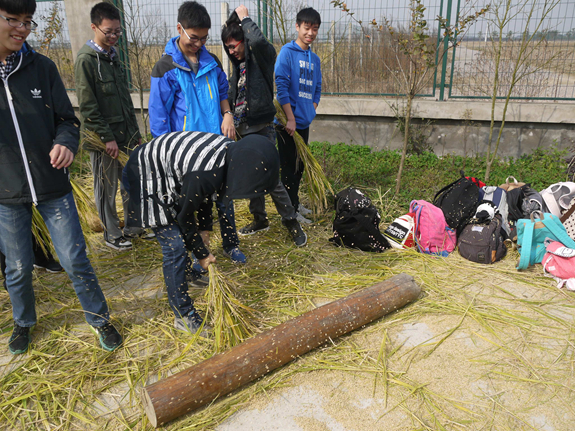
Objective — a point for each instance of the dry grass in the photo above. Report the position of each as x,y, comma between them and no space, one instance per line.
522,328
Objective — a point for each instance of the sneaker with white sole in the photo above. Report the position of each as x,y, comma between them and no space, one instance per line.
120,244
50,266
255,227
303,210
198,280
192,323
302,219
142,235
236,255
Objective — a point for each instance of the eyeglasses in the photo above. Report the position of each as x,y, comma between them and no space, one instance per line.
232,46
109,34
13,22
194,39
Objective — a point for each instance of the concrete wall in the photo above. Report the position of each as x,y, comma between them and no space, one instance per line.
372,122
78,19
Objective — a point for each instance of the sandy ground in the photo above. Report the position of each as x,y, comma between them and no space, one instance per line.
483,348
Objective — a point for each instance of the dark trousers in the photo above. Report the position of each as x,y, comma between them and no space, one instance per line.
279,195
291,167
41,257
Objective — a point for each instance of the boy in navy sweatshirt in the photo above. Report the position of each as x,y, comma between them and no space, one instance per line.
298,82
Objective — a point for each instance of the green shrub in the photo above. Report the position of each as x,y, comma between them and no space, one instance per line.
426,173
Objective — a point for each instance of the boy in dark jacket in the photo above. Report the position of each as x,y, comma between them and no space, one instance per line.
170,177
106,108
38,140
298,82
251,98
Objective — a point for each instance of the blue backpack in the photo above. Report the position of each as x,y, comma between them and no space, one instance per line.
531,235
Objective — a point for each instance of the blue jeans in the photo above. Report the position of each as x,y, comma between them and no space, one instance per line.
176,262
226,217
61,218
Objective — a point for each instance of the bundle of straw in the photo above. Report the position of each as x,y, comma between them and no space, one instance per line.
316,180
91,141
232,321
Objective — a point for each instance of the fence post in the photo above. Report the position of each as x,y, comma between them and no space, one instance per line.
332,29
444,61
225,11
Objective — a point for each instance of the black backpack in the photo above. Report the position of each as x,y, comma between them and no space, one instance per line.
458,201
483,243
356,223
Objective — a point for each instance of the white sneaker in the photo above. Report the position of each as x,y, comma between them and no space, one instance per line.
303,210
302,219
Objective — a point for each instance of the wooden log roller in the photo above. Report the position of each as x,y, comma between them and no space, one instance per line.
202,383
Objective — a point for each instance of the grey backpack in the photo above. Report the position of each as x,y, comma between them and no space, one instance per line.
483,243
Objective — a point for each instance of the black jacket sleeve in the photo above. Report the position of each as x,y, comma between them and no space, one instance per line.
259,45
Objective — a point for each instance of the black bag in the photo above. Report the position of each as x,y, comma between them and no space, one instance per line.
483,243
356,223
458,201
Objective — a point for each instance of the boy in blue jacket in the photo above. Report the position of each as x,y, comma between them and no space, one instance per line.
298,83
189,92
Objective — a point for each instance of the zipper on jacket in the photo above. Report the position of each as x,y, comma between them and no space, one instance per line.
209,88
19,135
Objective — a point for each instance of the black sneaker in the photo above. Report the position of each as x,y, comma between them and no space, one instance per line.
110,338
142,235
254,227
298,235
120,244
193,323
50,266
20,339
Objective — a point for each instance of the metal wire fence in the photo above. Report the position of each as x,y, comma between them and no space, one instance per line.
354,56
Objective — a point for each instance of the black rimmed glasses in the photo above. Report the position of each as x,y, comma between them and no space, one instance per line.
109,34
15,23
194,39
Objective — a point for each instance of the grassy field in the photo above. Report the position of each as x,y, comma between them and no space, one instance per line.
484,347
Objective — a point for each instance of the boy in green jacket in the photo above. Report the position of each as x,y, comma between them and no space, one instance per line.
106,108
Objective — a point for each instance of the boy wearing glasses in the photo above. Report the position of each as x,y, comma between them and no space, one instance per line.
189,92
106,108
39,136
251,95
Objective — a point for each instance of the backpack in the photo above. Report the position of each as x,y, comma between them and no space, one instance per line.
557,197
483,243
559,263
531,236
400,233
458,202
498,197
432,234
356,223
507,186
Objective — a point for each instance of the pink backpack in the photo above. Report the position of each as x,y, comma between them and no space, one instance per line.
559,262
432,234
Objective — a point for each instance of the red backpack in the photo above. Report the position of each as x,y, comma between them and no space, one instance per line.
432,234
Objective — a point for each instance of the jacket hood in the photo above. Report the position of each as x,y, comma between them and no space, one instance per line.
253,167
295,47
